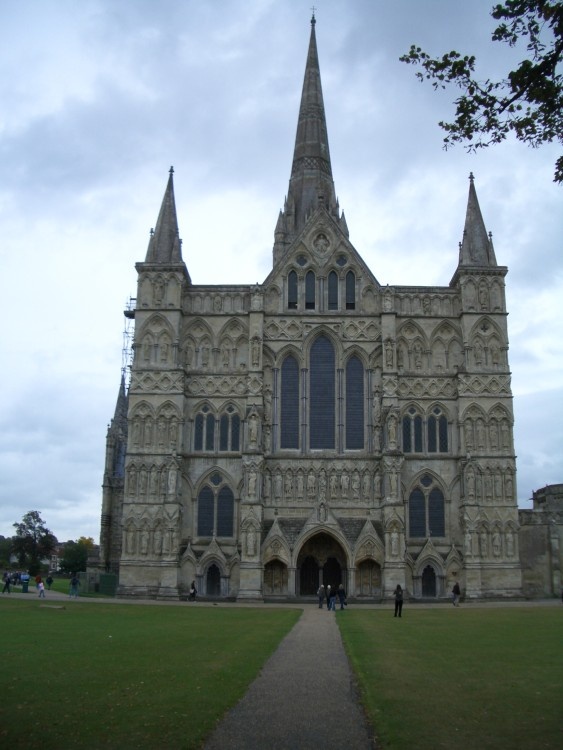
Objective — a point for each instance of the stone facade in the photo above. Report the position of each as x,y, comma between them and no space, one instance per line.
318,427
541,543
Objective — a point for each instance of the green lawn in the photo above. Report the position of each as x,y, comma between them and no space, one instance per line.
126,676
474,679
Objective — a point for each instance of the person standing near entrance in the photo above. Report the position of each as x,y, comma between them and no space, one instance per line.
341,596
332,600
327,593
398,594
456,593
321,595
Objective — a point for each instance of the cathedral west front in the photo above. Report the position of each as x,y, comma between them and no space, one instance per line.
317,427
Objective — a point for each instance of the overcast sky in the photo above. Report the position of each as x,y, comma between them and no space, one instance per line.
98,99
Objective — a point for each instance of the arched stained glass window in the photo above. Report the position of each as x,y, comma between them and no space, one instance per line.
427,510
292,291
322,395
210,432
205,511
198,436
225,511
437,432
229,430
350,291
289,433
436,520
215,509
354,404
310,283
332,291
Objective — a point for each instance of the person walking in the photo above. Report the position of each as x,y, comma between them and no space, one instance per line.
193,592
332,600
6,578
41,587
456,593
398,594
49,581
321,595
327,593
341,596
74,584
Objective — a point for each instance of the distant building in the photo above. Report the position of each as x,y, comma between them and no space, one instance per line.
317,427
541,543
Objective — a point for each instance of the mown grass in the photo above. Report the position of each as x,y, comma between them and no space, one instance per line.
101,675
476,679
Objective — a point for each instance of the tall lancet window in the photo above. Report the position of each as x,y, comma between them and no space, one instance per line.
332,291
350,291
292,291
289,433
322,395
310,283
354,404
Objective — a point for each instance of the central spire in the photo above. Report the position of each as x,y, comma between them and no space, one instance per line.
311,184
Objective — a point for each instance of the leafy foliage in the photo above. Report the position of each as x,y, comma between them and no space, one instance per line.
75,556
33,541
528,102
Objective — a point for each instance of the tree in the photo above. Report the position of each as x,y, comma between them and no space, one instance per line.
33,541
528,102
5,551
75,555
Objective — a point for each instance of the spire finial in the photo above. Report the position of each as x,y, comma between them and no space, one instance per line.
471,177
171,170
313,19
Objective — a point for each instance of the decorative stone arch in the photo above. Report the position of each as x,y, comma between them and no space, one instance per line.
287,350
320,553
429,574
317,333
276,559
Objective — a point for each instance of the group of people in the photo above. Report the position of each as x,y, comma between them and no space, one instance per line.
330,594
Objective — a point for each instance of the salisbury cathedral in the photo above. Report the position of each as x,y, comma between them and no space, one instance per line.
317,427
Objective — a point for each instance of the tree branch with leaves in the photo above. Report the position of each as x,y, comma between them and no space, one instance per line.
528,102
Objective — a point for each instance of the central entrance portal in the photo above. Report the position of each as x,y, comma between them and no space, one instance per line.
321,560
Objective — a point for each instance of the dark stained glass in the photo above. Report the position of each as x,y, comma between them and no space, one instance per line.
289,431
322,394
436,520
198,437
407,444
332,291
292,290
350,291
205,512
432,445
310,283
354,404
224,433
225,509
443,430
417,514
235,432
209,432
418,434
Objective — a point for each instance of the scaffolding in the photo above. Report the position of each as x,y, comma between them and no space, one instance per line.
128,334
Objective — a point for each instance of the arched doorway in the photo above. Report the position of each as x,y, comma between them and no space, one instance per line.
275,578
321,560
213,581
428,582
368,579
